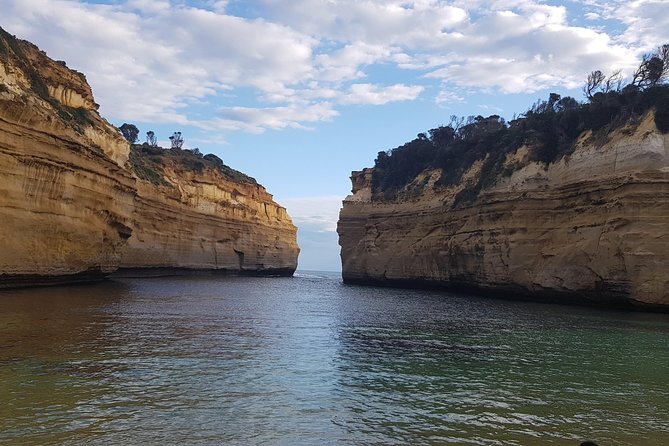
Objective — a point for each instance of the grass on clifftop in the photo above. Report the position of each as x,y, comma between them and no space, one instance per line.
148,163
11,50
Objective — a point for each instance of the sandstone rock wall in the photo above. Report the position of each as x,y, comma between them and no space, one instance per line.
202,220
593,227
72,206
65,199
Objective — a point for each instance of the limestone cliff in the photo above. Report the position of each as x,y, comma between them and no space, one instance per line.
75,206
194,212
65,197
591,227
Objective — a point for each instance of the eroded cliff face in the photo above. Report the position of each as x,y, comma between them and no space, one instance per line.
190,214
74,206
65,198
592,227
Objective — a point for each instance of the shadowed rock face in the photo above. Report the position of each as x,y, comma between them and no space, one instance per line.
590,228
73,208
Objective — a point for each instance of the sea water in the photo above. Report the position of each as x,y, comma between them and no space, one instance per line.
309,361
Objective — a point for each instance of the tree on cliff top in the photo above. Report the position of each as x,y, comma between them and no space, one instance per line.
151,139
129,132
652,71
177,140
549,130
653,68
598,82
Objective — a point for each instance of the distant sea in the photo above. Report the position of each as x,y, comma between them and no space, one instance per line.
310,361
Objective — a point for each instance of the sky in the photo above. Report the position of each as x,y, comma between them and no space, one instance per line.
299,93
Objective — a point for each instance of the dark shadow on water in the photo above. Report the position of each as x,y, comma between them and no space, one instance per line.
308,360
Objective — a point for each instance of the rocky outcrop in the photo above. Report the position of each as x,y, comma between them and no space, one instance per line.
65,197
196,213
74,207
592,227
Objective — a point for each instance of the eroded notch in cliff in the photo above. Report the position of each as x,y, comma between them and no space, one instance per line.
240,258
124,231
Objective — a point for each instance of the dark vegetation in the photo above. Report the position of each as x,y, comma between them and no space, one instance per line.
151,139
147,166
129,132
549,128
148,159
148,163
176,140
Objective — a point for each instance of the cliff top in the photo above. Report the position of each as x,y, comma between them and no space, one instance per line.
548,131
44,76
149,164
46,91
60,95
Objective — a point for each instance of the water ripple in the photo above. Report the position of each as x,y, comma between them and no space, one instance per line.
280,361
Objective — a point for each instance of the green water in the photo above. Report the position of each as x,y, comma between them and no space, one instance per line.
308,360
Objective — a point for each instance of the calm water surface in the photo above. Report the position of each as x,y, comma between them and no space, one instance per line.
308,360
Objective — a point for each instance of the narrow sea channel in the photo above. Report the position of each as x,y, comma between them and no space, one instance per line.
311,361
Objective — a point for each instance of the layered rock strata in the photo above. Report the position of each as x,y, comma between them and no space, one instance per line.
74,207
65,197
592,227
190,214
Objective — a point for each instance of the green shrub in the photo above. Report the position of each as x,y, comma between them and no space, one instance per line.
550,128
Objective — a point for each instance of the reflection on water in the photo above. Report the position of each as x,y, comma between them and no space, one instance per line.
308,360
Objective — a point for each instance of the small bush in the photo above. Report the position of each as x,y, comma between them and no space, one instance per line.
145,168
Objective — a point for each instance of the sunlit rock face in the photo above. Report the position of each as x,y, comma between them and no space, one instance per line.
74,208
592,227
65,197
191,214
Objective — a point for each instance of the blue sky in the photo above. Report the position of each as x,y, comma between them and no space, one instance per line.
298,93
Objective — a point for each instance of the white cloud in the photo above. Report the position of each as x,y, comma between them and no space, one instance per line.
447,97
381,22
314,214
508,46
376,95
647,23
529,49
149,6
345,64
154,60
149,68
256,120
217,5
